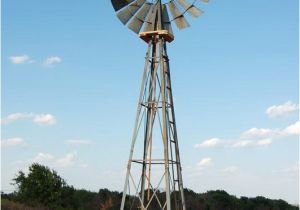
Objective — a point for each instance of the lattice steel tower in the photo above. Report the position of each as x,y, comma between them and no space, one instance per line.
154,167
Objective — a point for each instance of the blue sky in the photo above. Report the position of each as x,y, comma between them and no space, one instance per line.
70,82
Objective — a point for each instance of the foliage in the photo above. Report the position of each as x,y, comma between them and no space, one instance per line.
43,186
44,189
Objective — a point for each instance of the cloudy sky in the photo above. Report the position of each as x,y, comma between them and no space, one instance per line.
70,81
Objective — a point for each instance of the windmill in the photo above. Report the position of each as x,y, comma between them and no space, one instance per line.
153,178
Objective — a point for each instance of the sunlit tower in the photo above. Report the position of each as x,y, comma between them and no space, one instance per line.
153,176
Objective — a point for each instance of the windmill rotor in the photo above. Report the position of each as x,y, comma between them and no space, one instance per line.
141,15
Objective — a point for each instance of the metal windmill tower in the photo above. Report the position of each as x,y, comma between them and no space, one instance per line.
153,171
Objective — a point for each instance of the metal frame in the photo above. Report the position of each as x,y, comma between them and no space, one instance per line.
142,13
155,113
156,107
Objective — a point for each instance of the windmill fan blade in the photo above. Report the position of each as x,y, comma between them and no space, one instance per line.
138,20
190,8
184,4
194,11
127,13
174,10
166,20
149,23
181,22
119,4
178,17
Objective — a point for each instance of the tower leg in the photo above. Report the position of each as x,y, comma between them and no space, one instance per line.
135,131
164,123
174,129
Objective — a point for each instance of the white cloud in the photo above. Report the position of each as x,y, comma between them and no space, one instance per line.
44,119
254,137
52,60
252,143
19,59
41,119
282,109
67,160
200,168
208,143
239,143
260,133
259,137
42,157
264,142
12,142
230,169
205,162
16,116
78,142
243,143
293,129
50,160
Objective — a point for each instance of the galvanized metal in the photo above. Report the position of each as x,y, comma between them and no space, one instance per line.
155,107
148,26
136,128
178,17
190,8
174,10
155,118
138,20
166,20
140,15
119,4
126,14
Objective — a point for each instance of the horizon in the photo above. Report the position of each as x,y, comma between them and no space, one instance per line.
70,83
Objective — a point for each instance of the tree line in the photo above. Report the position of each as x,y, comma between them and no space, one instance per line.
43,189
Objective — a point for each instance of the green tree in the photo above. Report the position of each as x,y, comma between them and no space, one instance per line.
41,186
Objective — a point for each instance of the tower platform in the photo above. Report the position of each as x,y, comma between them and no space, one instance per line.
147,35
